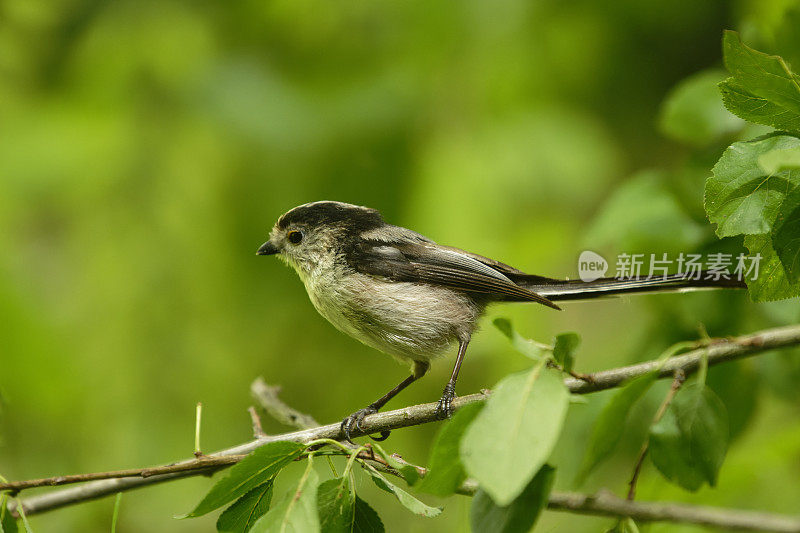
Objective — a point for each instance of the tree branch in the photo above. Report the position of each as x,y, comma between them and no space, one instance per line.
606,504
718,351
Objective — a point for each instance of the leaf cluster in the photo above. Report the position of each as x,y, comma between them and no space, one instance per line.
755,187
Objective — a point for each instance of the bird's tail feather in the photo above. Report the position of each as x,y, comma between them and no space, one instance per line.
561,290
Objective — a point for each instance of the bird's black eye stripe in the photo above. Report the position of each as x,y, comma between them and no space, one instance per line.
295,236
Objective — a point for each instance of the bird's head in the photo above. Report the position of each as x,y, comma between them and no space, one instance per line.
311,236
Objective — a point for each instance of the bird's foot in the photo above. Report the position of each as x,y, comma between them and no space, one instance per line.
354,421
444,409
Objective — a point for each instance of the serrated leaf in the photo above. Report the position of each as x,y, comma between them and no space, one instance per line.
740,197
520,515
247,474
407,500
692,112
763,75
445,471
512,437
772,282
297,513
756,109
365,519
689,443
527,347
564,347
336,504
243,513
608,429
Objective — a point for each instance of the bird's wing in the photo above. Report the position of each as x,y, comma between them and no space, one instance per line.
427,262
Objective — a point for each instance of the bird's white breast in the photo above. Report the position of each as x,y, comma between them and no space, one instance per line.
410,321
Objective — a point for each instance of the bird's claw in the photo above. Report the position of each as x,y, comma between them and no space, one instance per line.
444,409
354,421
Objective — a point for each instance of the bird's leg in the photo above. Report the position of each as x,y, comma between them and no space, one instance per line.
445,409
354,420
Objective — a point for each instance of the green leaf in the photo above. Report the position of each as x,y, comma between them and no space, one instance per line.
786,235
624,525
409,472
7,522
689,443
693,113
776,161
406,499
445,471
512,437
366,520
527,347
608,429
759,75
336,504
114,516
564,347
242,514
297,513
756,109
739,386
250,472
520,515
772,282
740,197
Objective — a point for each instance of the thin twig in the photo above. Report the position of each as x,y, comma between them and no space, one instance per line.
202,464
677,381
718,352
258,431
606,504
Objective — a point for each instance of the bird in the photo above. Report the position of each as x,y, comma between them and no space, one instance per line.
403,294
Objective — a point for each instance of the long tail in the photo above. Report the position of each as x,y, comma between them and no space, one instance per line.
560,290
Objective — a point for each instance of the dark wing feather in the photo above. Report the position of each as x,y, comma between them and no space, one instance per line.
428,262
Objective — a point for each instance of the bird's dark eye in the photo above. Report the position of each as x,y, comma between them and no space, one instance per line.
295,236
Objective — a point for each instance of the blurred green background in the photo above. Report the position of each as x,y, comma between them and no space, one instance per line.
146,148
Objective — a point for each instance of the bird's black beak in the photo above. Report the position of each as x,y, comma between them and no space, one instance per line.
267,249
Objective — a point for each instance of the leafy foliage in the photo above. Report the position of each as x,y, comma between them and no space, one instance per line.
407,500
741,197
7,522
762,89
754,190
336,503
607,430
528,347
297,512
445,470
252,471
564,347
689,443
365,519
512,437
409,472
242,514
521,514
